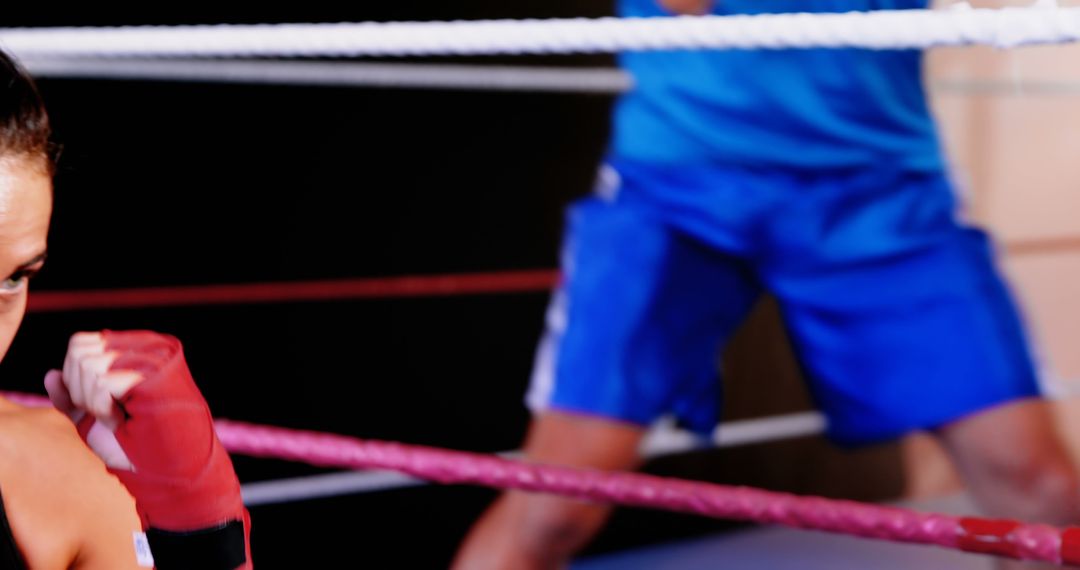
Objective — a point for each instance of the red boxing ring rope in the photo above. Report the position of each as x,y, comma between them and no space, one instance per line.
523,281
998,537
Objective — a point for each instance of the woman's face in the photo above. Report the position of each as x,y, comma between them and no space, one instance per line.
25,207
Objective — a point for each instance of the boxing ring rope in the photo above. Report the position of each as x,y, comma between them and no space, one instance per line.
587,80
998,537
882,29
442,285
1028,542
604,81
661,439
493,282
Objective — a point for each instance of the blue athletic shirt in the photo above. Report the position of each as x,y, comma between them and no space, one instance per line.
790,108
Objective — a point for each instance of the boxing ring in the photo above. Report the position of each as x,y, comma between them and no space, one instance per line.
198,53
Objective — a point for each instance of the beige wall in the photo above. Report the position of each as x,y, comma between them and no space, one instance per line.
1011,122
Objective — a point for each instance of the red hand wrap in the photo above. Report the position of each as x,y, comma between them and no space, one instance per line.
183,478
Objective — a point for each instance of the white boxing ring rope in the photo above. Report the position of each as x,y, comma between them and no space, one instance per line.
598,80
885,29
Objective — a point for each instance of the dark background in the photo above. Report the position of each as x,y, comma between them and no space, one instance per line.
189,183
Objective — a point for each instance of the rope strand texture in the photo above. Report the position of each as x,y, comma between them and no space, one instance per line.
885,29
1017,540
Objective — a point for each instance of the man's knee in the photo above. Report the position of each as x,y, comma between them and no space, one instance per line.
1051,487
560,527
1016,463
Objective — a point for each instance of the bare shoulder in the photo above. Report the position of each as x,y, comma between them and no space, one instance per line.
65,509
32,438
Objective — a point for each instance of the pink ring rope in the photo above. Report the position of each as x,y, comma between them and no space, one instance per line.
998,537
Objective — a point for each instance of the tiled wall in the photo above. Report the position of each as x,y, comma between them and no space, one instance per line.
1011,122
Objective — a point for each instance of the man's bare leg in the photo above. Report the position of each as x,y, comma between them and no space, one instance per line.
1016,466
529,531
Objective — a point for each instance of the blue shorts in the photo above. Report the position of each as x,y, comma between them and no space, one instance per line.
895,309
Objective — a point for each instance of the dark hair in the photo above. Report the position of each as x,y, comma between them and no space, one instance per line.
24,123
